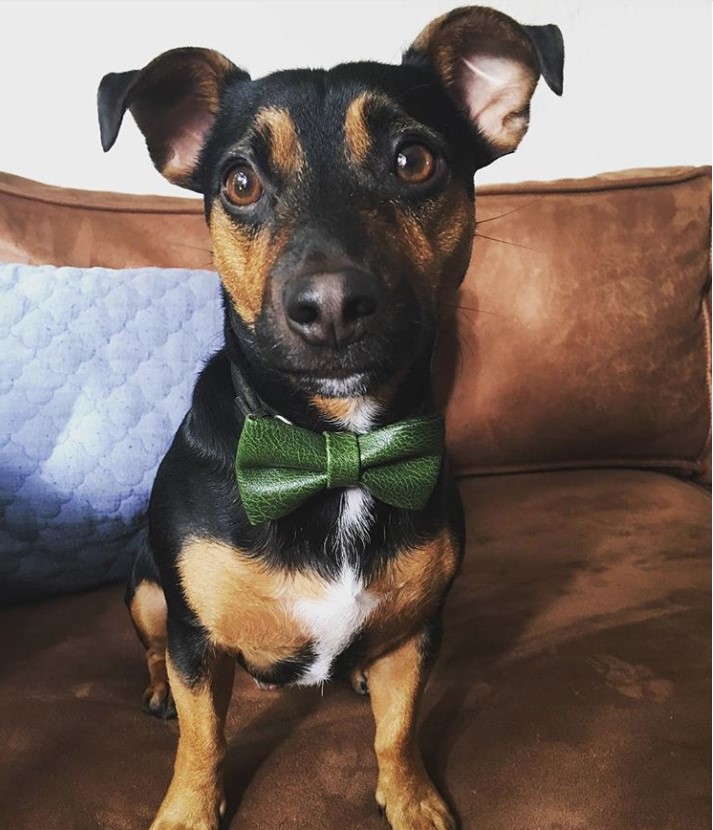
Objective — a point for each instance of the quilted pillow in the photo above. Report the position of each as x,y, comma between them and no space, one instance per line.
96,372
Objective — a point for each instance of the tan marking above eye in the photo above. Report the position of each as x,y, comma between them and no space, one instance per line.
285,150
356,131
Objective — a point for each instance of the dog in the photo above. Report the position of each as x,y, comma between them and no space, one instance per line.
304,522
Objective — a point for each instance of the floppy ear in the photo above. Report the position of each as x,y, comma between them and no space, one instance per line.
490,65
174,101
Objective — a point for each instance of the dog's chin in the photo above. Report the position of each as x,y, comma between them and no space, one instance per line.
348,384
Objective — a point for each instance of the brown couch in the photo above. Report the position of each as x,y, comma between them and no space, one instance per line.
572,691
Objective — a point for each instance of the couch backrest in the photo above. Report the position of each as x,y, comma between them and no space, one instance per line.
582,324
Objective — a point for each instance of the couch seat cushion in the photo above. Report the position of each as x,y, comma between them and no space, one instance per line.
572,690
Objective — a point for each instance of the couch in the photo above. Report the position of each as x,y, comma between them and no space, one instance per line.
572,691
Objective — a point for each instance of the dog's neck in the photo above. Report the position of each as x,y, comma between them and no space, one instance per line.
257,390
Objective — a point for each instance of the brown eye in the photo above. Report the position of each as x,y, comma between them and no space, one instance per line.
415,164
242,185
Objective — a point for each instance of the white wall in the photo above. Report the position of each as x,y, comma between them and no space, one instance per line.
637,76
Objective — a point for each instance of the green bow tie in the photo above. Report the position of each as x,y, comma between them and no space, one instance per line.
279,466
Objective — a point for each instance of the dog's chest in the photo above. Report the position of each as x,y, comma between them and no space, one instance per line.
268,615
335,618
292,626
336,615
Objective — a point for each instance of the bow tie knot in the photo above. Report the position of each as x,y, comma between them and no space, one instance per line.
343,464
279,465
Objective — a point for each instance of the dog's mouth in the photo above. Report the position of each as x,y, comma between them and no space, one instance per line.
347,364
351,371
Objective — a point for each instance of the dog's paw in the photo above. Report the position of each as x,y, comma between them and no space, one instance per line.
189,814
359,680
158,701
189,824
420,810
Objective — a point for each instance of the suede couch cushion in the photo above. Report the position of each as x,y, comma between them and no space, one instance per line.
590,344
582,327
572,691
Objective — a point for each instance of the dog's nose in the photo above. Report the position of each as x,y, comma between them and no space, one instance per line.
332,309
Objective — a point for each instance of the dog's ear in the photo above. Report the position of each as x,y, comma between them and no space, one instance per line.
174,101
490,65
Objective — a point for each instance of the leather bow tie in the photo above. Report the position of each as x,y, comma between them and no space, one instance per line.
279,465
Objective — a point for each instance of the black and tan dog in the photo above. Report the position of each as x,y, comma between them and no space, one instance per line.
340,206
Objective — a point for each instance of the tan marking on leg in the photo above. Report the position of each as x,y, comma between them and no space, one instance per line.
396,683
243,259
148,611
285,150
410,588
244,605
195,797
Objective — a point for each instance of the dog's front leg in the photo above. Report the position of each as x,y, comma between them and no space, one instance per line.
195,799
404,790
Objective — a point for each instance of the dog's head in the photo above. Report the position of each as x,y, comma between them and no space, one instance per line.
340,202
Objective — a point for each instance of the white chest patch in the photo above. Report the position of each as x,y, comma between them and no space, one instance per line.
357,413
356,514
355,520
360,415
333,620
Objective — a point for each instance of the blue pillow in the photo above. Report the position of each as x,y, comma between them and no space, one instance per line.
96,372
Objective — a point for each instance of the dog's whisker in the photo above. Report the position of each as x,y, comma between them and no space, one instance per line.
477,310
507,213
174,244
506,242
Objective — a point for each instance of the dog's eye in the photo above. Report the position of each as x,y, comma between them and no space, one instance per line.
242,185
415,163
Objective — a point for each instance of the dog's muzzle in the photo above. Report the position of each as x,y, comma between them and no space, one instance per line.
333,309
